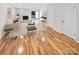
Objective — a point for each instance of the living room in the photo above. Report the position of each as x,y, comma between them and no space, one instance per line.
23,11
39,28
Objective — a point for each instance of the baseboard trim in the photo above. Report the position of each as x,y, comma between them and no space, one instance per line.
71,38
77,41
54,29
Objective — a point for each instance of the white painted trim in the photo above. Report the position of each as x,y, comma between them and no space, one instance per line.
61,32
54,28
77,41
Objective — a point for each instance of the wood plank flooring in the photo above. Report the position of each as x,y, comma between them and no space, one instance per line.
47,42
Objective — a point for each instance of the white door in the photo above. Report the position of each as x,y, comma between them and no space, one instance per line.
69,21
57,15
77,23
50,19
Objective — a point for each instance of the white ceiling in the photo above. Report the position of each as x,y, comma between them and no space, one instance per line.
29,5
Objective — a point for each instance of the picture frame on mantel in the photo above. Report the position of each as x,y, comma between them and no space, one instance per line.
9,13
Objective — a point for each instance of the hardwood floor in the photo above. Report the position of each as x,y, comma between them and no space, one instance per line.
47,42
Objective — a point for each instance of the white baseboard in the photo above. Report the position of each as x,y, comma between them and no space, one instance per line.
57,30
77,41
54,29
77,38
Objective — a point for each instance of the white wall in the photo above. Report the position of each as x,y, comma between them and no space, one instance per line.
32,6
2,18
57,13
50,20
69,17
24,12
77,22
10,20
54,16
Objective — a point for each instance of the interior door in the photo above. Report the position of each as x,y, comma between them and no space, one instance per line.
54,17
50,19
69,21
57,15
77,23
